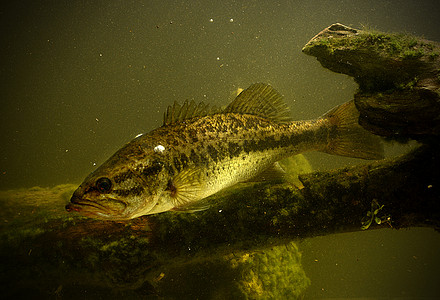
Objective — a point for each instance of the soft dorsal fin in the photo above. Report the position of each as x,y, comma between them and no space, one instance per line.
262,100
177,113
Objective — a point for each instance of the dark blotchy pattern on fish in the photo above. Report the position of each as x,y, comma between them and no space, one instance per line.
231,135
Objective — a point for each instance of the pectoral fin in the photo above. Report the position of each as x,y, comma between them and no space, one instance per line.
186,188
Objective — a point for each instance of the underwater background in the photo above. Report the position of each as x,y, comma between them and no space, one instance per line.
81,78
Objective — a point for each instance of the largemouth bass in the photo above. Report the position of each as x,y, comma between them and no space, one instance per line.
198,152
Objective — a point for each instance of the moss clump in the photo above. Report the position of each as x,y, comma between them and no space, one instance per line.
391,45
386,45
412,53
274,273
433,55
269,273
408,85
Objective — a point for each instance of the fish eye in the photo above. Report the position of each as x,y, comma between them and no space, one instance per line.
103,185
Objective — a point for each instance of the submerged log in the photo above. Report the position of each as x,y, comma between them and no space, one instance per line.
398,77
46,250
233,249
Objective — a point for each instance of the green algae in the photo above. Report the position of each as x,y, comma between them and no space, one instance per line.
391,45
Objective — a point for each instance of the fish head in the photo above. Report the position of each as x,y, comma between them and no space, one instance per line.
123,189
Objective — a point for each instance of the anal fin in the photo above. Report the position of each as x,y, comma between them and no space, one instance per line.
274,173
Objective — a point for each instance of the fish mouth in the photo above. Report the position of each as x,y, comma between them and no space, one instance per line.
97,210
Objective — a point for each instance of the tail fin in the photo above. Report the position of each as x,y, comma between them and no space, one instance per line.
349,138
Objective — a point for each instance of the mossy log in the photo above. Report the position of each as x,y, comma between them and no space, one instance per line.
232,249
45,250
398,77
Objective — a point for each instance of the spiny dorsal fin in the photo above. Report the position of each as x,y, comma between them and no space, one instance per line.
259,99
177,113
262,100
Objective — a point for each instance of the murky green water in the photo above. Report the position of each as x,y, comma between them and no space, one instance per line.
80,78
